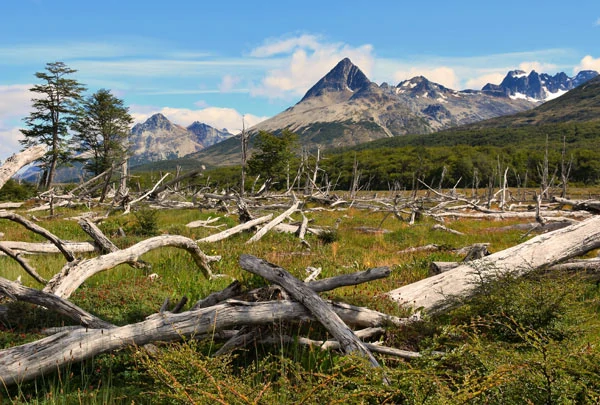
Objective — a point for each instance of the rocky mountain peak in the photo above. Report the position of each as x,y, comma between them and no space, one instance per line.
155,122
537,87
345,76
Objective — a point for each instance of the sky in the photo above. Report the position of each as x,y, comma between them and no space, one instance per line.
228,62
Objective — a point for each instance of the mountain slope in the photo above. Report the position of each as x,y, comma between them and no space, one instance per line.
159,139
582,104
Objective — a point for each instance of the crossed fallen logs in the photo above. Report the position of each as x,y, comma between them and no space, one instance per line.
219,315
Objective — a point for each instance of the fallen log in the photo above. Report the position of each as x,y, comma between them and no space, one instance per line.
18,292
262,232
73,275
28,269
586,205
31,360
431,294
236,229
33,248
302,293
40,231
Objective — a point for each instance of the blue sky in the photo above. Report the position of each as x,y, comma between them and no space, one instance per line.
216,61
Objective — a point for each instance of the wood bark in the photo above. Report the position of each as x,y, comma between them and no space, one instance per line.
30,270
73,275
301,293
236,229
40,231
25,362
32,248
15,162
20,293
263,231
431,294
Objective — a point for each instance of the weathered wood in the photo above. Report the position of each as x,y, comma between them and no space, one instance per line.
301,293
45,356
15,162
73,275
40,231
263,231
105,244
30,270
232,290
587,205
431,294
32,248
331,283
52,302
236,229
191,174
204,223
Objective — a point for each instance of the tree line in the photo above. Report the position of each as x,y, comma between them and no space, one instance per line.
96,126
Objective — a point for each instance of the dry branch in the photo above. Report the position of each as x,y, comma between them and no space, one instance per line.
236,229
40,231
25,362
432,293
30,270
15,162
51,301
301,293
73,275
32,248
262,232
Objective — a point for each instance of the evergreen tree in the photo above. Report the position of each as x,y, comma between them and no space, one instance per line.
102,129
273,155
53,112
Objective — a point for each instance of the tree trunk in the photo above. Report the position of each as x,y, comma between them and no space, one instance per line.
431,294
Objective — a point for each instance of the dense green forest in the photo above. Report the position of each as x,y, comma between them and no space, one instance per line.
465,158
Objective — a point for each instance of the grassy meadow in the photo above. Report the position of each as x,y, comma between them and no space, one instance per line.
531,340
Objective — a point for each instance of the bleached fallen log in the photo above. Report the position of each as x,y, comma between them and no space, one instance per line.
73,275
203,223
287,228
587,205
15,162
580,264
10,205
431,294
24,264
33,248
263,231
301,293
335,345
40,231
440,227
548,215
45,356
236,229
50,301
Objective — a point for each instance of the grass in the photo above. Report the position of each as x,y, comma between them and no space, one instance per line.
535,337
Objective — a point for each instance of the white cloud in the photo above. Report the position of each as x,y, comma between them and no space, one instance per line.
214,116
588,63
9,142
228,83
443,75
308,59
539,67
478,82
598,22
275,46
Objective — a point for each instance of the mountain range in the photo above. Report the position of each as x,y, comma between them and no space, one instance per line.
345,108
158,139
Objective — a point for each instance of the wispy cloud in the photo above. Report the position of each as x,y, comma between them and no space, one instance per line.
304,60
598,22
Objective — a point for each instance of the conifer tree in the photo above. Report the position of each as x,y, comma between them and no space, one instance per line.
52,114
